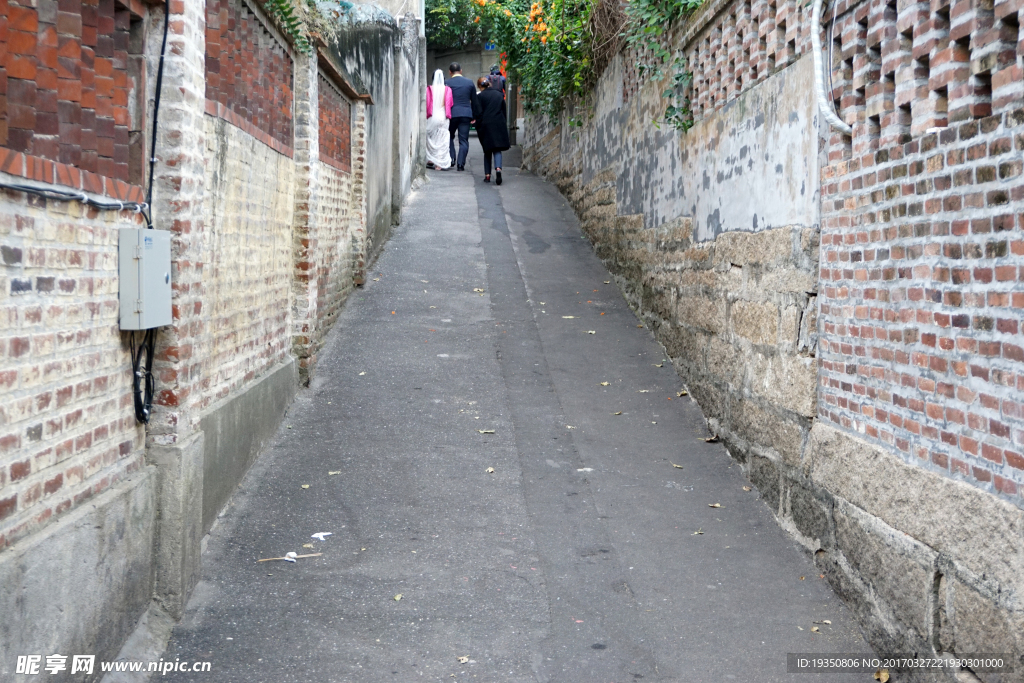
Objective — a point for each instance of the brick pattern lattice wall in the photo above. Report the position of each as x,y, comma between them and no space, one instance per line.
335,127
69,74
923,238
732,49
248,70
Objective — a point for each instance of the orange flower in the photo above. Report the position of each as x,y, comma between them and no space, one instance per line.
543,39
507,13
477,20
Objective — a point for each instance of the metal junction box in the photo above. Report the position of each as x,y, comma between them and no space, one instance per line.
144,271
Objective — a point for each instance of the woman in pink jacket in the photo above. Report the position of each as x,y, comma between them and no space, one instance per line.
439,111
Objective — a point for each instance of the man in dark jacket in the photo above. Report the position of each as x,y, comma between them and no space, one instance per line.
497,80
463,105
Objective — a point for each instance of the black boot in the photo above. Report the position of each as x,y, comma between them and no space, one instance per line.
497,177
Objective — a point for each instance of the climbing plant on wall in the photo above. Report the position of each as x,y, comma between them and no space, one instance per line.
302,19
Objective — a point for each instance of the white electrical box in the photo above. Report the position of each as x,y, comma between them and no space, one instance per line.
144,271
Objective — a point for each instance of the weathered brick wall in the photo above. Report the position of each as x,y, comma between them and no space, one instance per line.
336,242
72,81
267,241
67,427
921,235
921,298
248,207
870,385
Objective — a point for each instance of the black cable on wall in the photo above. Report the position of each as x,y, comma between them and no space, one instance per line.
143,383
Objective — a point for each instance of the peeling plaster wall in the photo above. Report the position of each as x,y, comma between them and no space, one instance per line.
761,147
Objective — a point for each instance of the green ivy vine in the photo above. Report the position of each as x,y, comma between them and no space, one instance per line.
556,49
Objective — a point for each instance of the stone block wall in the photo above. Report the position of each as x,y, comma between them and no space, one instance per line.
844,309
268,222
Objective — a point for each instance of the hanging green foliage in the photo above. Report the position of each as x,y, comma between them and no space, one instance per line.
556,49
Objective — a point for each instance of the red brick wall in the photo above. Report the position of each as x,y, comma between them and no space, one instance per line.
922,244
248,70
335,127
66,77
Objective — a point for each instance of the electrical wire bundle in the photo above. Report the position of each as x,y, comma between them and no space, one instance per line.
143,383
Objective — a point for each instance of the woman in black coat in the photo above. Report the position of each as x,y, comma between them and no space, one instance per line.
491,127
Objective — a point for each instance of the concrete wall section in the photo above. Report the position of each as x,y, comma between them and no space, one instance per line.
750,166
236,429
80,586
367,41
476,62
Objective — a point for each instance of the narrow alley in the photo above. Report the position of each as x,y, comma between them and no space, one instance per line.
609,543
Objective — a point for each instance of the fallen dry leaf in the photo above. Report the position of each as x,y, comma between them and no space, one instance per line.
477,289
698,532
643,391
678,467
489,470
463,660
618,413
607,282
714,505
882,675
658,365
604,384
332,473
305,486
815,629
591,331
568,317
800,627
361,374
569,427
399,597
712,439
746,488
682,393
307,545
486,431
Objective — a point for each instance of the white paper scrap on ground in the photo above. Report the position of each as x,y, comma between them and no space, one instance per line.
321,535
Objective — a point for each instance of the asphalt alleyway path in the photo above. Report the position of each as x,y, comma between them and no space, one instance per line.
489,336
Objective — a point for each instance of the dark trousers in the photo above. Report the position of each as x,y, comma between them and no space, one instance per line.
460,125
487,161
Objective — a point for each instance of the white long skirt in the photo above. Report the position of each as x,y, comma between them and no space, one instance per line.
438,141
